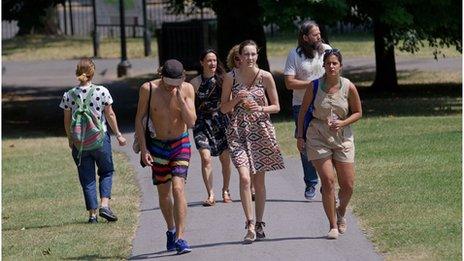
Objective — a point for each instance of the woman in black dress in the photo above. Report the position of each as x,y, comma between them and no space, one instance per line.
210,127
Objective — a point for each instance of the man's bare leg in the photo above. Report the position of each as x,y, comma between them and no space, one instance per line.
165,202
180,205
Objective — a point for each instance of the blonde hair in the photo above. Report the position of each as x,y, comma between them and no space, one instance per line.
230,57
85,70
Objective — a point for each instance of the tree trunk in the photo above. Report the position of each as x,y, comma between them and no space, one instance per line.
37,18
385,75
239,20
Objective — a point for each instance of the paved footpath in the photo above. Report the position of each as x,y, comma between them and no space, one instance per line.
295,228
58,73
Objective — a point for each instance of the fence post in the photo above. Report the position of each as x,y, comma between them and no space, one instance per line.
146,32
65,18
71,17
124,66
95,34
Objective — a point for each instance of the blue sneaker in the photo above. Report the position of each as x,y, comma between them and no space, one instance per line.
171,241
310,192
182,247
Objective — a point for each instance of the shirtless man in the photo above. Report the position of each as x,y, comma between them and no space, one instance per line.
172,111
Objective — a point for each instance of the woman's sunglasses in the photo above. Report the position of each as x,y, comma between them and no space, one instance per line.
331,51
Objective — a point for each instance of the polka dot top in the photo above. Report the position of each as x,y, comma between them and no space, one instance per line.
101,98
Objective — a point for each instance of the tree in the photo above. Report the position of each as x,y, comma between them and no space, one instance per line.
33,16
408,24
237,20
286,14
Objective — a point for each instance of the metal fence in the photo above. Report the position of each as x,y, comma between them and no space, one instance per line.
9,29
75,18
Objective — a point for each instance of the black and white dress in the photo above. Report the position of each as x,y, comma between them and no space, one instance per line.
209,131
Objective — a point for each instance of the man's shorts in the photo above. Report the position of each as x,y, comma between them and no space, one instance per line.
170,158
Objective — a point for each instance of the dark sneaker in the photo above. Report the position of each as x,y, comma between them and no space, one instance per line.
171,241
93,220
106,213
182,247
310,192
259,228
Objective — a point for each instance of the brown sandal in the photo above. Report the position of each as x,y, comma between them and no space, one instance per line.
226,196
209,202
250,236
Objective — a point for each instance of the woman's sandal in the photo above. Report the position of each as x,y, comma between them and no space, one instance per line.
226,196
251,233
341,223
209,202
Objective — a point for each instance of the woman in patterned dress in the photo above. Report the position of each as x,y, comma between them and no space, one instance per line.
233,63
209,130
250,134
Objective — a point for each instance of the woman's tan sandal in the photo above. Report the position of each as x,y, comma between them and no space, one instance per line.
341,223
333,234
251,233
226,196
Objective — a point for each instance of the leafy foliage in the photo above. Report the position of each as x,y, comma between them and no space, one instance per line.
414,21
287,13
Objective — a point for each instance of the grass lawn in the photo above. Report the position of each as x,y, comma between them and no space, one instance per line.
61,48
42,48
43,210
408,184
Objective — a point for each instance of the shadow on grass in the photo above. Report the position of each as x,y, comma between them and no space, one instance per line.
431,99
34,112
96,257
11,46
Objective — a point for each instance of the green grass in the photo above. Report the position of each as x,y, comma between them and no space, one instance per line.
60,48
38,47
408,190
408,183
43,210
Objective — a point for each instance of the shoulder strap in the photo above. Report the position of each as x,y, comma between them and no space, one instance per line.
88,98
233,77
73,94
345,85
254,79
315,88
148,111
78,100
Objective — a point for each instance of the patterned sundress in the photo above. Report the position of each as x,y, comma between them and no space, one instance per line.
251,136
209,131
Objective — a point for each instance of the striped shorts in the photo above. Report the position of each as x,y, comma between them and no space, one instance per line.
170,158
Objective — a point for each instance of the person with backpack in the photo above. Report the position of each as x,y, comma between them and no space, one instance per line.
87,109
303,65
329,139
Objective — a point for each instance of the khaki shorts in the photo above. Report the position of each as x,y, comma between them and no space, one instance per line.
323,143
